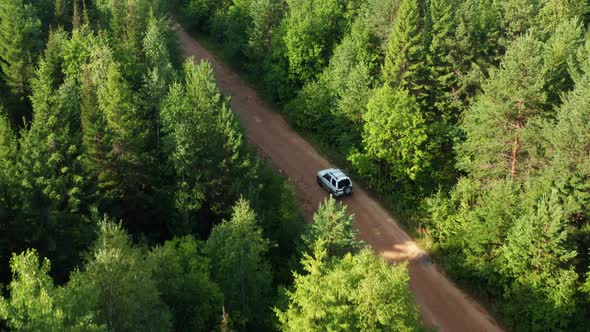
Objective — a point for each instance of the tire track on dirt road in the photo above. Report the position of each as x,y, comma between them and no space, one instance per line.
441,303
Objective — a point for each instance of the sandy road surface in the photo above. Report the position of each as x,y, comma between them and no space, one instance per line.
441,303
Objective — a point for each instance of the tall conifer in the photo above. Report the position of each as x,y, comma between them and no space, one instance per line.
8,170
497,145
406,53
444,60
239,265
20,41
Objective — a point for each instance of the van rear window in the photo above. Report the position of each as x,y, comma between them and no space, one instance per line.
343,183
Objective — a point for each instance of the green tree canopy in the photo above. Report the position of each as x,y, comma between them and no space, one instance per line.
8,170
238,264
313,28
537,255
497,145
444,59
407,51
35,303
32,304
51,155
335,228
568,143
203,134
181,273
395,136
117,285
518,16
339,295
20,41
555,12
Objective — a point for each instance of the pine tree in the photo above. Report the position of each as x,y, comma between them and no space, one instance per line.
518,16
396,136
446,68
8,170
537,242
202,134
406,53
97,138
182,272
539,73
339,295
555,12
444,61
117,140
537,258
238,264
76,21
570,140
95,142
128,25
559,48
423,136
312,30
62,13
77,51
479,39
155,48
155,86
182,147
497,145
187,124
50,158
52,61
160,71
53,181
116,285
20,40
116,102
334,228
10,190
482,226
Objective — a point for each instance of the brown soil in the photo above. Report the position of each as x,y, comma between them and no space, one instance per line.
441,303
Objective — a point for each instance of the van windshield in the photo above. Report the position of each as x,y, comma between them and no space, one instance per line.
343,183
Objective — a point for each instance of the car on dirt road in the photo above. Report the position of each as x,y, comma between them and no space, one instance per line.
336,181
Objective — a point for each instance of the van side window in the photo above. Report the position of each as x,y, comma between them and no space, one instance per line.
327,177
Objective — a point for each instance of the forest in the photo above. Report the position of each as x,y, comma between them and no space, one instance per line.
471,118
131,201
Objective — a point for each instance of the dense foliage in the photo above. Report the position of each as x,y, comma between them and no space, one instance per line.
471,116
339,295
129,199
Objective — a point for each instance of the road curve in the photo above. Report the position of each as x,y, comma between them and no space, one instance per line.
441,303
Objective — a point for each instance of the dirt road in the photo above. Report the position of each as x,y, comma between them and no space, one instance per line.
441,303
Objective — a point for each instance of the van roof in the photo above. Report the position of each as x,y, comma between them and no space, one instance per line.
338,174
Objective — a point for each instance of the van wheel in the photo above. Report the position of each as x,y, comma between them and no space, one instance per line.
347,191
